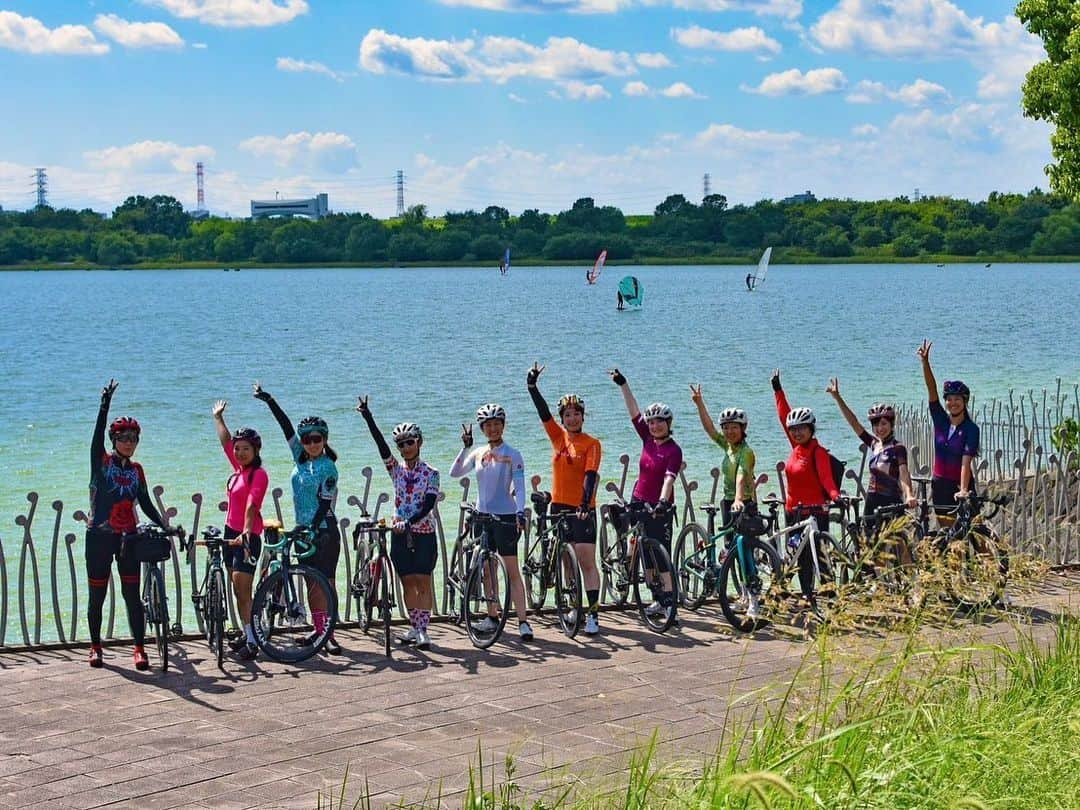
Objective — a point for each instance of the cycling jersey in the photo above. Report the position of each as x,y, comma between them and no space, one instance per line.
808,471
736,457
886,459
659,461
575,454
116,484
313,480
411,487
952,443
246,488
500,477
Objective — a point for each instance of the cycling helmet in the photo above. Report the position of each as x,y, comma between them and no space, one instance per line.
407,430
658,410
736,415
490,410
246,434
881,410
800,416
313,424
571,401
956,387
123,423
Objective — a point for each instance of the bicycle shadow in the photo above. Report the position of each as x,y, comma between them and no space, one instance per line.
182,679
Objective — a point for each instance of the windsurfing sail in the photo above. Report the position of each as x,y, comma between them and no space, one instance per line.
594,275
633,294
754,279
504,265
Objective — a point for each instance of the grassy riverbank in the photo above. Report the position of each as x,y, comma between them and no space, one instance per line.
779,257
963,727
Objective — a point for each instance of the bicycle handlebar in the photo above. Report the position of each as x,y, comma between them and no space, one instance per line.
301,537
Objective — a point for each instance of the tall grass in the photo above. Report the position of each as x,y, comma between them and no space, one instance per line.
965,727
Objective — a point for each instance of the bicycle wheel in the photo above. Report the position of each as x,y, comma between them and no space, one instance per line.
455,583
487,601
386,600
976,569
370,605
215,628
533,575
157,613
613,563
568,590
280,615
751,585
658,608
361,584
836,568
696,577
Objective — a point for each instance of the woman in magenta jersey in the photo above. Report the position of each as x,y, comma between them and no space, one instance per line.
246,489
658,467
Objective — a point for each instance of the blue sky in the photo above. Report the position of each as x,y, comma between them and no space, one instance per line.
520,103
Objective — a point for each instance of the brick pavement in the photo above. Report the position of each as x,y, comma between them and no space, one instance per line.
273,735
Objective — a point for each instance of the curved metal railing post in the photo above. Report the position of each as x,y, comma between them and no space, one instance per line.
3,595
58,507
168,513
27,553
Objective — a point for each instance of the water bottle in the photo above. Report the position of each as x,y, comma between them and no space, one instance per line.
793,542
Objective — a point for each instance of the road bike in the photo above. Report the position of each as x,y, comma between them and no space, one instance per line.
280,615
477,583
551,564
152,546
373,578
210,600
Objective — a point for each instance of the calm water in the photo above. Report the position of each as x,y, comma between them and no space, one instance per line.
430,345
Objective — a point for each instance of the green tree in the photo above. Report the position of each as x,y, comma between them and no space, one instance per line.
834,242
113,249
905,246
407,246
487,247
158,214
229,248
1052,87
450,245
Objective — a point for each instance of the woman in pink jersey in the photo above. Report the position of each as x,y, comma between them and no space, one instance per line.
246,488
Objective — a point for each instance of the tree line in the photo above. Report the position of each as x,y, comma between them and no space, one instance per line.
158,230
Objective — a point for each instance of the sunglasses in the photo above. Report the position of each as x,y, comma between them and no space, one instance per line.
406,443
312,438
127,437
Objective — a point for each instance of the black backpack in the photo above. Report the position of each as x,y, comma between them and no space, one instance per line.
837,466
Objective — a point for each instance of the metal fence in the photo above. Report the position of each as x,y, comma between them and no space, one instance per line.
1043,519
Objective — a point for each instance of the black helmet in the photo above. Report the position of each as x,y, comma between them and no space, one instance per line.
246,434
313,424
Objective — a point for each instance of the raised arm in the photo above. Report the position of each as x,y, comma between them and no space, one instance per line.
380,441
833,388
542,409
282,420
219,424
782,406
927,372
465,461
628,395
703,413
97,443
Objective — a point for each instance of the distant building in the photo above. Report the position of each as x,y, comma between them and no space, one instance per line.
805,197
199,213
315,207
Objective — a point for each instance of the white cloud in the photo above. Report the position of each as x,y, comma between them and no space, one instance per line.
680,90
968,123
234,13
290,65
583,91
933,29
741,39
789,9
202,46
795,82
652,60
30,35
729,136
149,156
636,89
514,97
917,94
497,59
865,130
137,34
326,151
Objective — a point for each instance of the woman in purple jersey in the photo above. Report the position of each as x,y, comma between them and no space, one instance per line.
658,466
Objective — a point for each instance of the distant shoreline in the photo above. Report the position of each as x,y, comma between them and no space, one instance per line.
778,259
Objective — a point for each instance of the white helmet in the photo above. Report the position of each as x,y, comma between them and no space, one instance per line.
800,416
736,415
658,410
490,410
407,430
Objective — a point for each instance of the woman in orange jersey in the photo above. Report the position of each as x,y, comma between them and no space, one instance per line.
575,472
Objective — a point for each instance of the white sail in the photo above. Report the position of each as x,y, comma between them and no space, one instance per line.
762,268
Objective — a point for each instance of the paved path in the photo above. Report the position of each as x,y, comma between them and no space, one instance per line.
270,735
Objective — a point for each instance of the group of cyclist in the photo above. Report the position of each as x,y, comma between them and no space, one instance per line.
118,483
